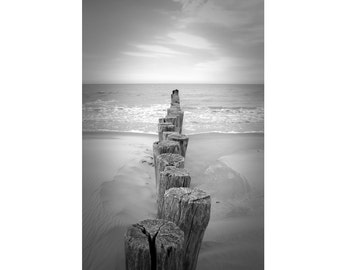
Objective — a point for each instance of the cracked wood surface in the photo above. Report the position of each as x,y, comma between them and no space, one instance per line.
154,244
190,210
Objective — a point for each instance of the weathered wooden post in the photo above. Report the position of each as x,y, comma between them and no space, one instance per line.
168,119
180,119
164,147
171,177
189,209
154,244
175,98
182,139
164,127
175,110
164,160
179,114
167,133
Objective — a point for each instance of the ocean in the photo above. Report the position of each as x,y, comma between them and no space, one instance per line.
223,108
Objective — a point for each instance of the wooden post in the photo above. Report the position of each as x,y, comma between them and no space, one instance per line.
167,133
168,119
182,139
179,114
164,160
189,209
180,119
175,98
169,178
154,244
173,110
164,127
164,147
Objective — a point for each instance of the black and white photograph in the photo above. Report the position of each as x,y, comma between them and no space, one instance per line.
173,134
169,134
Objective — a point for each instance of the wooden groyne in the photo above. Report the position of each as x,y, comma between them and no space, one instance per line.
173,240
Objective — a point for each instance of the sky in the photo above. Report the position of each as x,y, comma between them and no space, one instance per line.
173,41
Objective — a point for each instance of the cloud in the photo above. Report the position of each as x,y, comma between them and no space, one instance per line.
147,54
231,69
173,40
157,49
229,13
188,40
234,29
191,5
180,41
154,51
211,41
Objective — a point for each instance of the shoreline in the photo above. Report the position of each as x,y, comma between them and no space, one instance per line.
113,132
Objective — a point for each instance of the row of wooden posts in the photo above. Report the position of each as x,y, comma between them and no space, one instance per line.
173,240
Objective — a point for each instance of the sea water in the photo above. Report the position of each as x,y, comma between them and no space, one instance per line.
225,108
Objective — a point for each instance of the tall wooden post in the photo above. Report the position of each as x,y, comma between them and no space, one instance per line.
154,244
164,127
179,114
182,139
190,210
163,147
164,160
169,178
180,119
175,98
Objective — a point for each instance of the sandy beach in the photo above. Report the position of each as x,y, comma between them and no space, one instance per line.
119,189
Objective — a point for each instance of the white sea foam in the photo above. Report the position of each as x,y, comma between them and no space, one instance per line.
118,131
225,132
139,111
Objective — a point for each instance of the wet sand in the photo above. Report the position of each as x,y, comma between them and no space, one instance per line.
119,189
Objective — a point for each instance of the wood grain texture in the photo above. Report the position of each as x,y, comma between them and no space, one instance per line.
190,210
154,244
175,111
164,160
162,147
169,178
